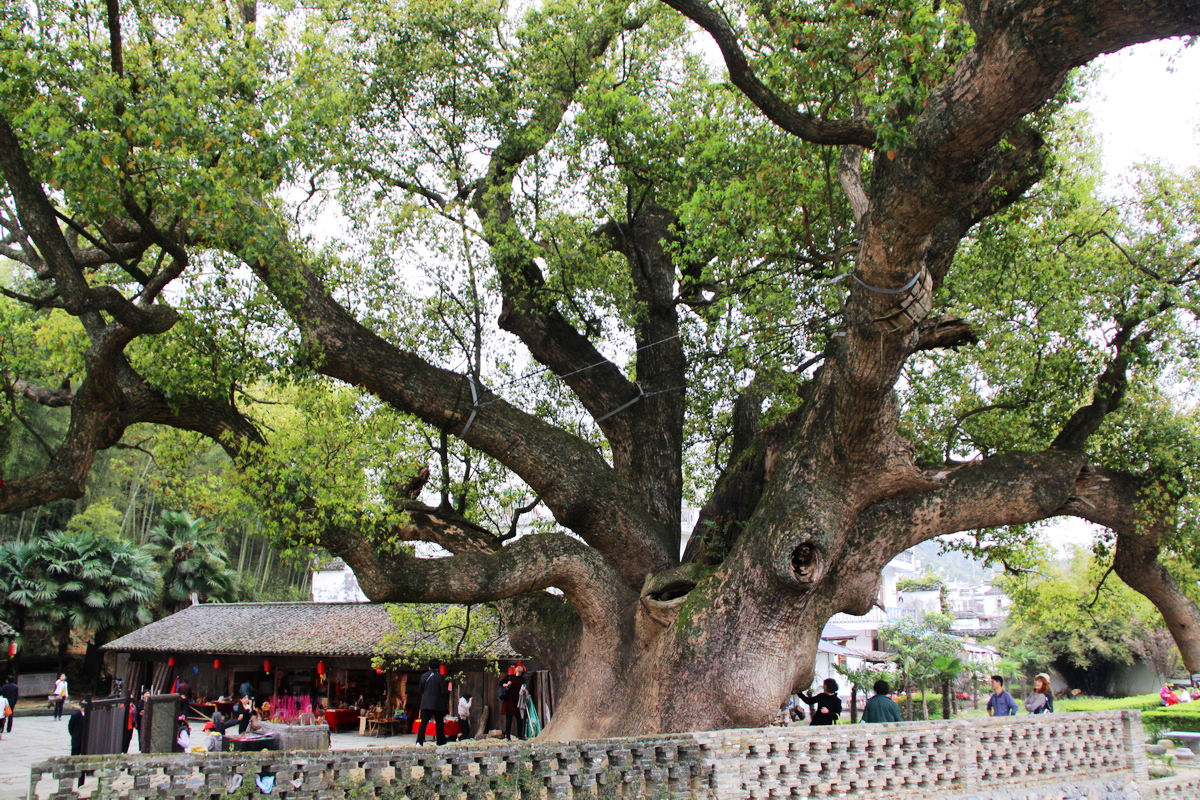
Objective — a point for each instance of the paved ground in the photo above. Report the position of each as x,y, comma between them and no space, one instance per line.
35,739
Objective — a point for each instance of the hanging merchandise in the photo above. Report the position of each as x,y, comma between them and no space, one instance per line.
533,725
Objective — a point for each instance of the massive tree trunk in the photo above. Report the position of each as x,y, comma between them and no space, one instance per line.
808,509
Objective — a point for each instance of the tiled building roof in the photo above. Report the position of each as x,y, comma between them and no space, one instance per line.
280,629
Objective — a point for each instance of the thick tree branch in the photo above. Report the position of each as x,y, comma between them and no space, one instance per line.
850,176
647,439
529,564
582,491
1110,391
805,126
944,332
1008,489
1117,501
529,311
51,398
38,218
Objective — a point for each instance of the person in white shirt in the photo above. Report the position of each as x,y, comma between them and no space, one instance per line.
4,712
60,696
464,716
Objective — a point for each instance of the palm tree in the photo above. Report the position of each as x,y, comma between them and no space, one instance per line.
100,585
24,590
188,550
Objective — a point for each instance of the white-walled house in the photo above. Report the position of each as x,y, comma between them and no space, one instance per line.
334,582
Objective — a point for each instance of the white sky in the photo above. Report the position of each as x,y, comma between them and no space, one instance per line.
1147,106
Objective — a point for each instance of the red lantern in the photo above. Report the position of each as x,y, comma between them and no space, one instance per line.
12,649
170,661
216,663
512,670
443,670
379,670
320,667
267,665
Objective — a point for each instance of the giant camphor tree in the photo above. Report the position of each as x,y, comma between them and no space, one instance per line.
777,259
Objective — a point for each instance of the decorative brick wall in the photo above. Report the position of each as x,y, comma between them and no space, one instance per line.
1066,755
1184,787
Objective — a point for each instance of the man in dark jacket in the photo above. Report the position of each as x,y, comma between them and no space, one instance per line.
11,693
882,708
77,729
434,697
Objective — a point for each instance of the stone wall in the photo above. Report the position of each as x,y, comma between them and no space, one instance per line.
1184,787
1095,755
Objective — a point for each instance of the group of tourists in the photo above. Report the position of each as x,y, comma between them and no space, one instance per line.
1040,701
826,707
1174,694
516,705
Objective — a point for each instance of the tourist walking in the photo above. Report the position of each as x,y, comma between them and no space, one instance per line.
826,705
434,696
1042,699
882,708
1001,703
60,696
11,693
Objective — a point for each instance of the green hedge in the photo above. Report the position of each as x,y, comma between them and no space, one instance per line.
1142,702
935,706
1182,717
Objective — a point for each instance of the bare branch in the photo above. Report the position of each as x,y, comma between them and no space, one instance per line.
51,398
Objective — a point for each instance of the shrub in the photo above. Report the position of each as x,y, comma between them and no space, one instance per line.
1183,717
1142,702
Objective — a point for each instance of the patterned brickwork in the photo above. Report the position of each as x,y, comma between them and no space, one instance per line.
1019,757
1182,787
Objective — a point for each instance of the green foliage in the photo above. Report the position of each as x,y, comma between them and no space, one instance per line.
441,633
98,519
1060,615
1181,717
188,551
1141,702
929,581
926,653
77,582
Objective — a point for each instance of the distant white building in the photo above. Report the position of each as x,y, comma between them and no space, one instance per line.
333,582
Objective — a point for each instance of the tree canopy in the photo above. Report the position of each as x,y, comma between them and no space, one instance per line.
805,300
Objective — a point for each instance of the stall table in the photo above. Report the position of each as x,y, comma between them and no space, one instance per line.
384,726
341,718
252,742
452,728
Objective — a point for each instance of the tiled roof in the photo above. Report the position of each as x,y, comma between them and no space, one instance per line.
317,629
